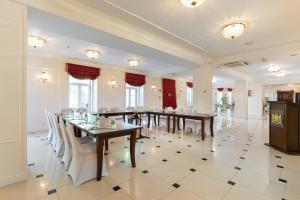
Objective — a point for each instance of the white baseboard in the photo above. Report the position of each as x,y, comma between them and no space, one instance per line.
14,178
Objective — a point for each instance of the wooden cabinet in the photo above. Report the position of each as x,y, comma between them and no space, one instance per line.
284,133
285,96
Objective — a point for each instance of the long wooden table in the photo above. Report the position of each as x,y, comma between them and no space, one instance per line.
102,134
176,116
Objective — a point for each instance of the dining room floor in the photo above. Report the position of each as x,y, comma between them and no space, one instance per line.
235,164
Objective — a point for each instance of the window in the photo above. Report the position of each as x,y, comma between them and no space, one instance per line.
134,96
189,93
81,93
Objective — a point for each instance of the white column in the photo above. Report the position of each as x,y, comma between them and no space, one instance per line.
13,150
241,99
202,89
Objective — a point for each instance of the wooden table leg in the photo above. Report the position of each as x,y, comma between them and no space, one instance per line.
149,119
168,123
154,118
174,123
124,118
132,147
99,148
183,124
158,119
202,128
178,123
212,126
106,143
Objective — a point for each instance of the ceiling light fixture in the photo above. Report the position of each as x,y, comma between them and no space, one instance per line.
214,80
273,68
92,54
133,63
191,3
36,42
280,74
233,30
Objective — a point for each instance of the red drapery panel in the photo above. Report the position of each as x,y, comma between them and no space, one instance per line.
189,84
220,89
135,80
169,93
82,72
229,89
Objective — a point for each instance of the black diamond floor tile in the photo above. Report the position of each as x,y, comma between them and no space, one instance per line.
51,191
116,188
176,185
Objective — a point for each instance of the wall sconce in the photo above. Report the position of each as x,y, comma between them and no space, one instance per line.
113,83
44,77
180,89
153,87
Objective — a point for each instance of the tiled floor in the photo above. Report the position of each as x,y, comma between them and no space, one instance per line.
235,164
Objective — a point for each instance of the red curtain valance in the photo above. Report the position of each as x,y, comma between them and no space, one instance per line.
82,72
229,89
189,84
169,93
135,80
220,89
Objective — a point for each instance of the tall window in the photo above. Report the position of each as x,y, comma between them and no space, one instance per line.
134,96
81,93
189,93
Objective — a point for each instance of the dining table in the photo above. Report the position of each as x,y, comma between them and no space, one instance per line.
103,133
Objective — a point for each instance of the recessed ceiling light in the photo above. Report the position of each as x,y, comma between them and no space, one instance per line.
273,68
280,74
192,3
92,54
133,63
233,30
36,42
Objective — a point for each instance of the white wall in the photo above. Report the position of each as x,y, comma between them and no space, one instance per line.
53,95
13,160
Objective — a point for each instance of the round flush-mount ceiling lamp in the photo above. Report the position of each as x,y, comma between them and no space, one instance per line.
233,30
92,54
36,42
133,63
191,3
273,68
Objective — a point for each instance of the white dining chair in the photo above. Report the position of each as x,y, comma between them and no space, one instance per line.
83,165
66,111
102,110
59,146
54,136
67,155
50,132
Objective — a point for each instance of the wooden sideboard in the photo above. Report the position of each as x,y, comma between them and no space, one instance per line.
284,132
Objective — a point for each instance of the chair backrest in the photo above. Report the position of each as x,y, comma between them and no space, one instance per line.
114,109
169,109
102,110
130,108
66,111
63,132
74,143
55,125
82,110
48,120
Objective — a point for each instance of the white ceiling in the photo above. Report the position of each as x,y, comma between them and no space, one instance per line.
270,24
68,47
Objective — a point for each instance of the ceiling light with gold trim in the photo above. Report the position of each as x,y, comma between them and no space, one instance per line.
233,30
273,68
191,3
92,54
36,41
